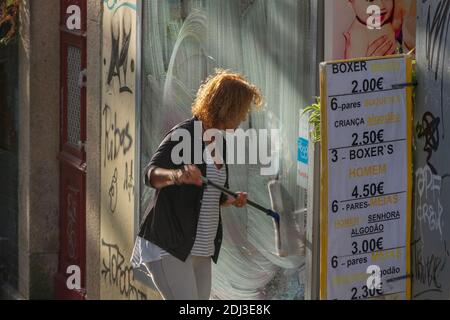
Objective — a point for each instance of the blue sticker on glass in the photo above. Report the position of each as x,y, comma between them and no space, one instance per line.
303,150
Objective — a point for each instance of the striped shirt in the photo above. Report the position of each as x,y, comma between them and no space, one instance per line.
209,213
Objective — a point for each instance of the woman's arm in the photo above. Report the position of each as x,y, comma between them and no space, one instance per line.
156,174
160,178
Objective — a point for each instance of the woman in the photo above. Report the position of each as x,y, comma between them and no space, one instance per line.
182,231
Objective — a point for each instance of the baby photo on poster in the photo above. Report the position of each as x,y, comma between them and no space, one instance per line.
360,28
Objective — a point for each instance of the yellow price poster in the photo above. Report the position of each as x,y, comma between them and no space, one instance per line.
366,178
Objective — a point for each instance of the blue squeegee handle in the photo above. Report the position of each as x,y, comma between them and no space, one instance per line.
233,194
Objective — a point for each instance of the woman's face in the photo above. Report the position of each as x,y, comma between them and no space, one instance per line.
235,125
232,124
360,8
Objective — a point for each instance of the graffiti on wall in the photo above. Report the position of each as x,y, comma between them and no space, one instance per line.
428,130
128,186
116,273
128,183
429,265
120,66
118,148
429,208
117,139
428,269
431,270
437,25
113,192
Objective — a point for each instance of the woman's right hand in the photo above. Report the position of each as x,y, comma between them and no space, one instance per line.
191,174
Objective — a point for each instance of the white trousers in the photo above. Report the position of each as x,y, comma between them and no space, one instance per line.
178,280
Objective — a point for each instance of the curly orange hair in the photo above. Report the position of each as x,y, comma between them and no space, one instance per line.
225,97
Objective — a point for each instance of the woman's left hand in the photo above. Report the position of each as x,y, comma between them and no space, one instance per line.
239,202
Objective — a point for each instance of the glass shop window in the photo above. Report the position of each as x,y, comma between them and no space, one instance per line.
269,42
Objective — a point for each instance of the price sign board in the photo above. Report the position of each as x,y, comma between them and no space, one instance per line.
366,178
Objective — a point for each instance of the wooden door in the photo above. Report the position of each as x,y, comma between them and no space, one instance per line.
72,155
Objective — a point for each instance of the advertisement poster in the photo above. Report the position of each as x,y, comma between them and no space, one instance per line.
366,178
353,31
